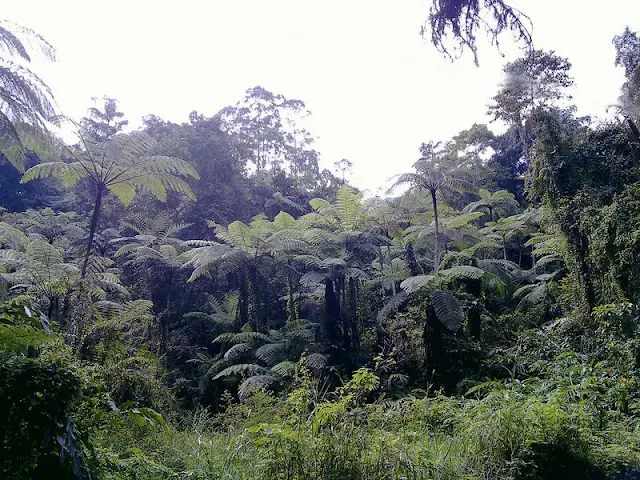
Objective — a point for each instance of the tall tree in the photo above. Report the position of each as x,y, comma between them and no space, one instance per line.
102,124
499,201
343,247
155,247
120,165
627,48
436,171
269,125
539,79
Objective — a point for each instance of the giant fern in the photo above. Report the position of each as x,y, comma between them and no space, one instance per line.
120,165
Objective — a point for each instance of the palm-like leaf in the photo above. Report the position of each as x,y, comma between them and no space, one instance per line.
447,309
502,201
122,164
24,97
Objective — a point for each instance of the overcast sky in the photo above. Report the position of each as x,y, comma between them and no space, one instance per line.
376,89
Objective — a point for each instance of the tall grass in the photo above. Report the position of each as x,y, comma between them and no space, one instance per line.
539,429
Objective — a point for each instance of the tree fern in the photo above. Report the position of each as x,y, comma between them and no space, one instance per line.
395,302
316,361
496,202
120,165
12,237
533,294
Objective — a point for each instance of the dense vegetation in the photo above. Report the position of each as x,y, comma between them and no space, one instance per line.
201,300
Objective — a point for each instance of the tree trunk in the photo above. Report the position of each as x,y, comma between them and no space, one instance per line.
519,253
504,247
331,316
474,287
435,355
393,281
163,319
243,301
475,322
256,313
92,229
381,256
354,334
410,258
436,246
291,303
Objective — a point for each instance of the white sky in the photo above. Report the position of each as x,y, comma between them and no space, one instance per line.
375,87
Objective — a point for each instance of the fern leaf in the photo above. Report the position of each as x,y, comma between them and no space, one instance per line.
270,352
237,351
447,309
255,384
285,369
316,361
413,284
241,369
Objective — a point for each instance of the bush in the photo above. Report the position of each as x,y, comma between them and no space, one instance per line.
37,398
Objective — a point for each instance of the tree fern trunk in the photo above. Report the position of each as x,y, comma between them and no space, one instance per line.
331,316
434,351
410,258
381,256
163,320
474,318
255,315
354,332
504,247
293,313
393,281
436,253
92,228
243,301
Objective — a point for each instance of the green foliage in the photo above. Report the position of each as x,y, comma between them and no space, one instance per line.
448,310
453,331
120,164
37,398
27,102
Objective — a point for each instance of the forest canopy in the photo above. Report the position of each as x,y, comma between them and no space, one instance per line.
202,300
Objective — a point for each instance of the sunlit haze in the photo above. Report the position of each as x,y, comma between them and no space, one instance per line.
375,87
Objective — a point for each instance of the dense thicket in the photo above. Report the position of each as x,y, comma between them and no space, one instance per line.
201,300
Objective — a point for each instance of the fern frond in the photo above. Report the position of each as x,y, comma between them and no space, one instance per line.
462,271
447,309
240,369
270,352
392,305
285,369
69,173
237,351
256,384
413,284
316,361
